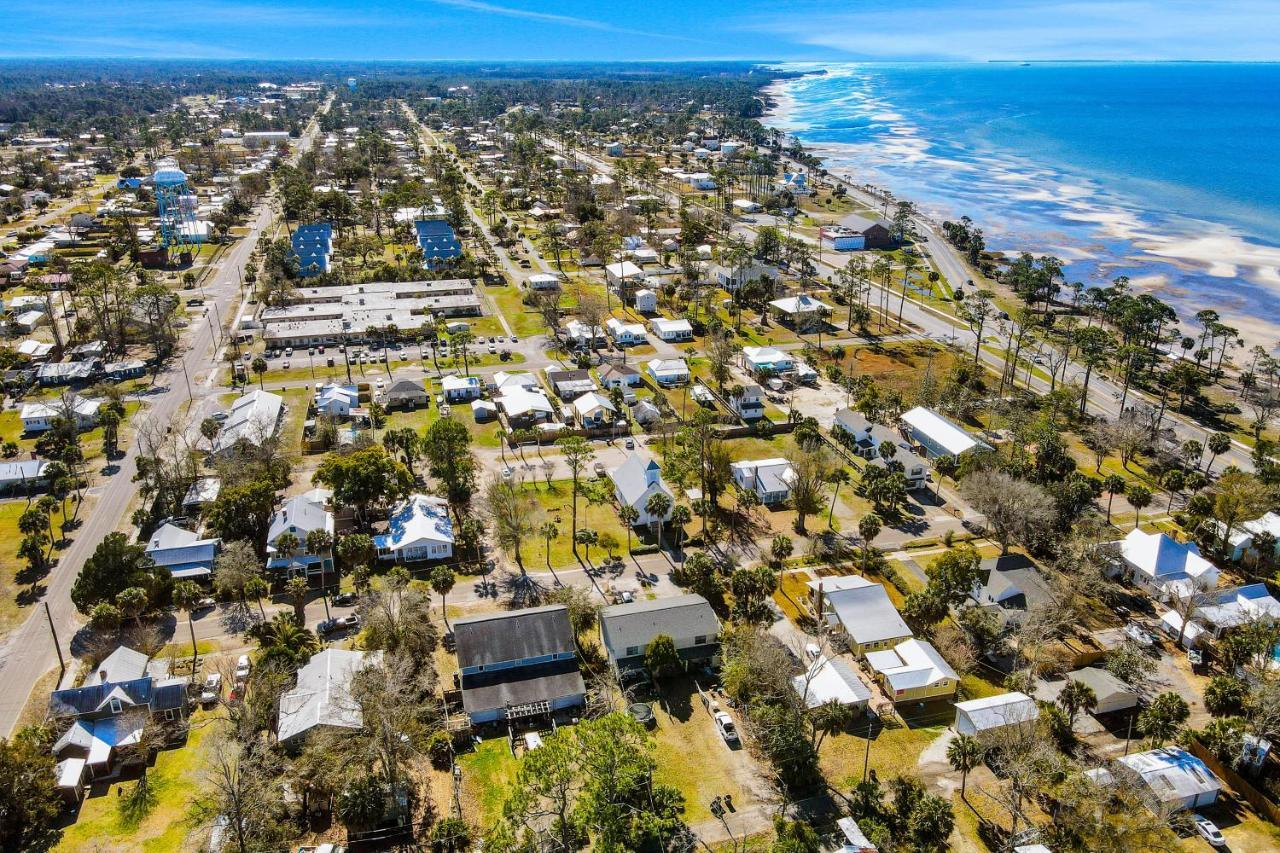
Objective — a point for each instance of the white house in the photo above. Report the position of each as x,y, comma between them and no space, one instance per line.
635,482
769,479
1221,610
183,552
1242,537
646,301
337,401
579,334
672,331
253,418
619,376
525,407
938,435
748,405
913,671
461,388
593,410
731,278
543,281
801,312
322,697
23,473
299,516
994,713
1173,777
419,529
625,334
1164,567
623,274
767,361
40,416
669,372
746,205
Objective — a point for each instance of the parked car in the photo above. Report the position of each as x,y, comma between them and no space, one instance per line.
212,688
219,416
724,723
1209,831
242,668
599,468
339,623
631,444
345,599
206,604
1139,635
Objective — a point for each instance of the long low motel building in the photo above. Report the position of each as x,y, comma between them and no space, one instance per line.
352,317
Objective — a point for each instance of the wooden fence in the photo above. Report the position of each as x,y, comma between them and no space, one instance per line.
1260,801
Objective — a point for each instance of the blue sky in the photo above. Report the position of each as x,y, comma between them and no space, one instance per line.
818,30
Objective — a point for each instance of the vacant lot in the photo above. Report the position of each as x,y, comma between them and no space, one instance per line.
693,757
14,588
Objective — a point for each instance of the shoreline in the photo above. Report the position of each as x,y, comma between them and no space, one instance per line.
1190,262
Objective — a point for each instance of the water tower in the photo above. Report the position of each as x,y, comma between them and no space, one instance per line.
180,232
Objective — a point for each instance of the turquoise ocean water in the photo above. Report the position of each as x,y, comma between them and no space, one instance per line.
1167,172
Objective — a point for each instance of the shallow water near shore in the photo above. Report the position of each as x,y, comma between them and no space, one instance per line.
1168,173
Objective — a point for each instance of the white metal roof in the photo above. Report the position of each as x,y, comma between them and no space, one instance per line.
993,712
940,430
912,663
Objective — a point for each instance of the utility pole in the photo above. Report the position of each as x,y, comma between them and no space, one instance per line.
183,364
57,647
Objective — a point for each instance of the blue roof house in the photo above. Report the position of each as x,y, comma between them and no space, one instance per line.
312,245
419,529
437,240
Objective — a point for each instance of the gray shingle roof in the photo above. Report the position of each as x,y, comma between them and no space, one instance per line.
512,636
637,623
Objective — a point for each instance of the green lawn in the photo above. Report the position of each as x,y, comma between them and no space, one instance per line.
556,502
90,440
487,775
11,613
524,321
175,778
482,434
893,751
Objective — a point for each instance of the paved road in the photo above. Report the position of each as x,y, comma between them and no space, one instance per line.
28,653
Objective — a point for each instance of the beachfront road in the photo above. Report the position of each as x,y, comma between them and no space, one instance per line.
1104,395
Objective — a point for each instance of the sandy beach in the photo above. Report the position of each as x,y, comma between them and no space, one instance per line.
1191,262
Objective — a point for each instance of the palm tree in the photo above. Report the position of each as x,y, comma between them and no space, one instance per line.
549,531
297,588
964,753
680,516
1076,696
629,515
259,366
868,528
186,597
442,580
1218,443
1139,498
1113,485
657,506
586,537
286,545
284,639
837,477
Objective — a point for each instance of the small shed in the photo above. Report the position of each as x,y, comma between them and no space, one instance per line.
993,713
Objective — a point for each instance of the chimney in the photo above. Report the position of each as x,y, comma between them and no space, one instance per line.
102,676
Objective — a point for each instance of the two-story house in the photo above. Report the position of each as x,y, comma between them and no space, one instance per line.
518,664
626,630
299,517
769,479
749,404
109,711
